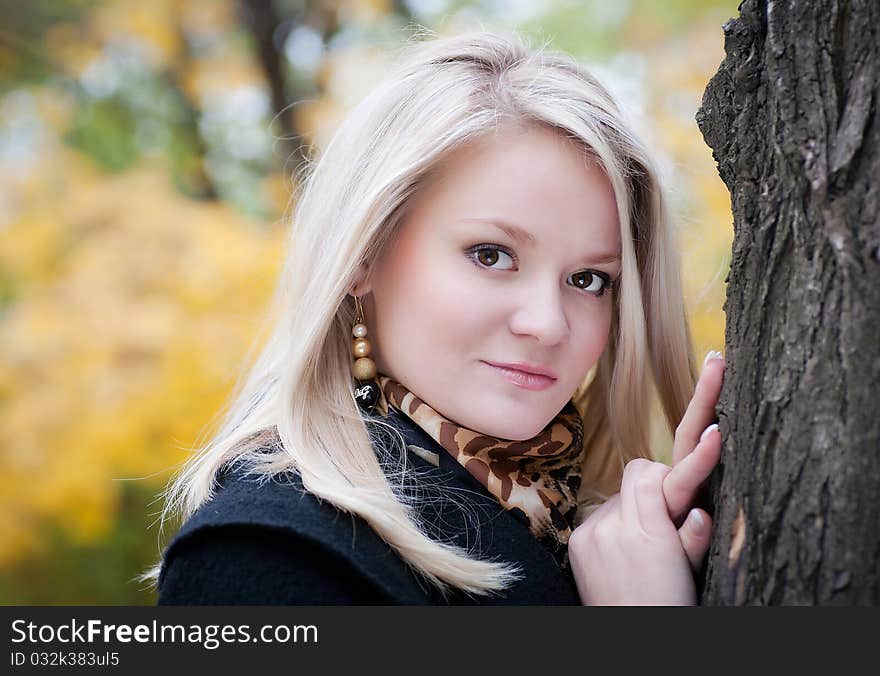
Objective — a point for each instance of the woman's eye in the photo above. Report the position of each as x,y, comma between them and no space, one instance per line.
488,256
590,281
594,282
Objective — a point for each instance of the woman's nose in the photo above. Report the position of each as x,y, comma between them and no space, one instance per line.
543,316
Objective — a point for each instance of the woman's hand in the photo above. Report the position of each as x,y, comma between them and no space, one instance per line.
630,551
693,456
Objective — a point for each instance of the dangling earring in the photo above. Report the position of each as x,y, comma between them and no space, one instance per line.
366,394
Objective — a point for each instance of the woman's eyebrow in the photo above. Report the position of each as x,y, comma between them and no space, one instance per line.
516,233
522,236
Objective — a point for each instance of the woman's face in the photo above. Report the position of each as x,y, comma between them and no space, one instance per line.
452,291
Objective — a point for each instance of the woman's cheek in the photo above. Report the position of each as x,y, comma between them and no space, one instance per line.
591,335
600,331
459,307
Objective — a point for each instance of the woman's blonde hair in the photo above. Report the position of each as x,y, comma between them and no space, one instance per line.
293,410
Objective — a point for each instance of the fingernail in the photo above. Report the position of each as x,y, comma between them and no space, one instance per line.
698,523
712,354
713,426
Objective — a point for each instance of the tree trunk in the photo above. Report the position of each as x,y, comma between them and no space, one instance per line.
791,117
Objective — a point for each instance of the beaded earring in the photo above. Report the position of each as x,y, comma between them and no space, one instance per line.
366,394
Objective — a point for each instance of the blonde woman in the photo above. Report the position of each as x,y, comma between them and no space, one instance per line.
452,405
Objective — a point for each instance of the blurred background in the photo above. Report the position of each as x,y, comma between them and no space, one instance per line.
147,151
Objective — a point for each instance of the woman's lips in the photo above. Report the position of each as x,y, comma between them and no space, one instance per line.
528,381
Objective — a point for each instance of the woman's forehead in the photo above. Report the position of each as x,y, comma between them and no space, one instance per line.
523,184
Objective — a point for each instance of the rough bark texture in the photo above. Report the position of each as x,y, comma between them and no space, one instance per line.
791,117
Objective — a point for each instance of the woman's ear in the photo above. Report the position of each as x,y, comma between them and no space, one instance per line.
361,284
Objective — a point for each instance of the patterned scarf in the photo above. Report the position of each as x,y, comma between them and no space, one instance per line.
536,478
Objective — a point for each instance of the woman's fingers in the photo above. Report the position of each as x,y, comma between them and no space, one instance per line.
641,494
700,412
681,485
696,534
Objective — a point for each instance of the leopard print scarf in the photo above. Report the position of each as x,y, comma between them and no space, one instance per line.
537,478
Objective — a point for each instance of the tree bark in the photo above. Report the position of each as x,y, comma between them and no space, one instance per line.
791,117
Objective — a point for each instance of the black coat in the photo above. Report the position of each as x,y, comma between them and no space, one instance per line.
275,543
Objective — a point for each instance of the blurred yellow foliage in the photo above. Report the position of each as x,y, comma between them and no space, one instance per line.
134,306
363,10
71,47
154,25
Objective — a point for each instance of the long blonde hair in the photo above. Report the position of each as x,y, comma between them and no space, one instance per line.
292,408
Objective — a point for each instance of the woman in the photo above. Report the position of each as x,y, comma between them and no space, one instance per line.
481,284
